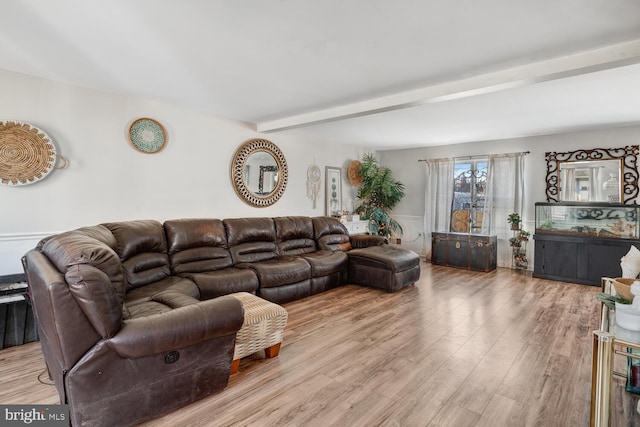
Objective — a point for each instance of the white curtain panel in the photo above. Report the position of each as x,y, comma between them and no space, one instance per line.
504,195
595,188
568,184
438,199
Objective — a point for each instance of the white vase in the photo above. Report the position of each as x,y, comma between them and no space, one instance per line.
627,317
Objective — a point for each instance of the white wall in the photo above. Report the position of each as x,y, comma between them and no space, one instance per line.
407,169
108,180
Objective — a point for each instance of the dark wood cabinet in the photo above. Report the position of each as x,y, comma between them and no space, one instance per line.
579,259
463,250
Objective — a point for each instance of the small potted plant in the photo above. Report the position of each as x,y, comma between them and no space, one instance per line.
524,235
515,242
514,220
521,261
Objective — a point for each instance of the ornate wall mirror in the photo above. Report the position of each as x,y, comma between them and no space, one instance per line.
259,172
598,175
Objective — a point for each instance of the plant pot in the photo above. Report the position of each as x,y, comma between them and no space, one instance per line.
515,226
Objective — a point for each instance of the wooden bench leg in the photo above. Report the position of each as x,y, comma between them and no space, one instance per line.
272,351
235,366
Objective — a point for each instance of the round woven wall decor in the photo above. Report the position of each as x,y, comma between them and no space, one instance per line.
27,154
147,135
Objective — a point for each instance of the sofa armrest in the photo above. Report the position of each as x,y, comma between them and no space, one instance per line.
365,240
178,328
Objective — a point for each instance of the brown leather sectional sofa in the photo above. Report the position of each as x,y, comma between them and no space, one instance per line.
135,319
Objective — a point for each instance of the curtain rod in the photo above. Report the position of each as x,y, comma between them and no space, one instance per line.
474,157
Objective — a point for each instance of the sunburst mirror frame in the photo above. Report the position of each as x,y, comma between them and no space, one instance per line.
628,157
239,162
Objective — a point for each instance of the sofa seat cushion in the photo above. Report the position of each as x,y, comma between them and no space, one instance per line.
171,283
324,263
213,284
160,297
145,308
159,303
281,271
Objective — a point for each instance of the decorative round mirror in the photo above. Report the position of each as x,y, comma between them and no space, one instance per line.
259,172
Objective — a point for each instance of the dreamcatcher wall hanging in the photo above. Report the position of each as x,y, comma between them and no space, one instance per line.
313,183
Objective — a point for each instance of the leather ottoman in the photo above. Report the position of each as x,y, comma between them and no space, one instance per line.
262,329
385,267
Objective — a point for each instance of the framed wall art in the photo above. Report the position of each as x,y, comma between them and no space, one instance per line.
333,191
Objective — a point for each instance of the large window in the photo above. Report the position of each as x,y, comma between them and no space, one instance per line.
474,195
469,191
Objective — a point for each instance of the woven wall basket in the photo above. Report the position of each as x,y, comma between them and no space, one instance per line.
27,154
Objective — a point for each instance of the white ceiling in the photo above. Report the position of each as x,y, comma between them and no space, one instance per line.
380,73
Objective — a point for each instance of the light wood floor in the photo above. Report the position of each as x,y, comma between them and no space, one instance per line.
457,349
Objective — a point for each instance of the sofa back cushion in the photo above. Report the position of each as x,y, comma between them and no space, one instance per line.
142,248
331,234
294,235
251,239
197,245
93,274
97,232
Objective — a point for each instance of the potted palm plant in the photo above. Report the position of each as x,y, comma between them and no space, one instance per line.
377,195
